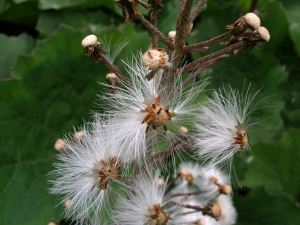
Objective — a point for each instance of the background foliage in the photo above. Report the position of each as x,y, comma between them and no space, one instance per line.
47,87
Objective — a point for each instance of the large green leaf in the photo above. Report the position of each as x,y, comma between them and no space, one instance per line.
276,166
12,47
258,208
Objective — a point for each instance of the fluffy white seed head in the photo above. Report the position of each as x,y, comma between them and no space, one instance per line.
264,34
223,128
229,214
155,59
89,40
252,20
146,203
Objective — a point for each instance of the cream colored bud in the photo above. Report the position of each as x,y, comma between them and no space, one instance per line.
67,203
182,172
216,211
183,130
112,79
78,135
213,180
89,40
161,181
225,189
213,210
252,20
59,144
155,59
264,33
172,35
51,223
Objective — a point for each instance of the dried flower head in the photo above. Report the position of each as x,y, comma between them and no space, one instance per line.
130,8
245,24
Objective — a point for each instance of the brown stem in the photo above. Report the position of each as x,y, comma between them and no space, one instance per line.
253,5
197,10
153,29
159,157
191,66
183,24
198,208
187,194
154,21
195,47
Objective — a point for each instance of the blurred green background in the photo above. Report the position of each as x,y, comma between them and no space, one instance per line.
48,87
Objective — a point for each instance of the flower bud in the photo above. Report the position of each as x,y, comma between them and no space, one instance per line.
161,181
59,145
112,79
264,34
252,20
213,210
89,40
51,223
67,203
225,189
172,35
78,135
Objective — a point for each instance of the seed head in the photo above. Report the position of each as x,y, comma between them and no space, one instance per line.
264,34
225,189
213,210
89,40
252,20
78,135
155,59
112,79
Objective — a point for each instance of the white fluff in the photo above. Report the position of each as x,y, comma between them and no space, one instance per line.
125,105
218,120
145,192
75,178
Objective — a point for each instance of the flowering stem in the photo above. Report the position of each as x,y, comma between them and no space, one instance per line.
201,45
153,29
197,10
191,66
253,5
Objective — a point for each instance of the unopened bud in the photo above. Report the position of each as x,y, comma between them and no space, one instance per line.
161,181
189,178
200,222
183,130
112,79
182,172
225,189
89,40
252,20
213,210
264,34
59,144
79,135
172,35
51,223
213,180
155,59
67,203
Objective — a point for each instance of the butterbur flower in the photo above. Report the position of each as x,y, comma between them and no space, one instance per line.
144,111
147,204
229,214
223,125
84,174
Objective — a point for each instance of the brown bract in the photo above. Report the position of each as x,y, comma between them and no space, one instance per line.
108,170
241,136
158,216
94,52
156,4
156,116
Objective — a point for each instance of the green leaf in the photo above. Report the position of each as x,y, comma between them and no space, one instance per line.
259,208
276,166
4,5
58,4
12,47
